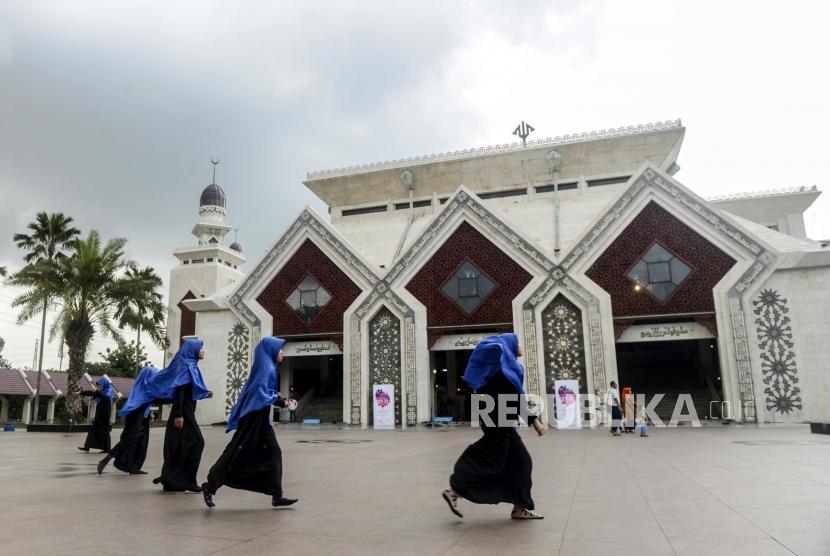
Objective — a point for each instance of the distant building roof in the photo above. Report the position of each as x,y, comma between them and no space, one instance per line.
122,384
46,388
13,383
61,382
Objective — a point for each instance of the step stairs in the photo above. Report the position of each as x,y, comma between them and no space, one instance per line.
327,409
700,401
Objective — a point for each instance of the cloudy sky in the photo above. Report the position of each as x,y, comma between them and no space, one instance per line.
110,111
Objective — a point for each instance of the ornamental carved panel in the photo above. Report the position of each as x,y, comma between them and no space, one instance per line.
775,339
385,355
708,265
466,244
238,358
307,261
564,343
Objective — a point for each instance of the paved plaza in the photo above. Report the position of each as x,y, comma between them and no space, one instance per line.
715,490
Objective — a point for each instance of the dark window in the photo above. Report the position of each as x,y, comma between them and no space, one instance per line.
197,261
213,241
416,204
308,299
367,210
185,262
443,200
608,181
499,194
210,259
659,272
468,287
562,187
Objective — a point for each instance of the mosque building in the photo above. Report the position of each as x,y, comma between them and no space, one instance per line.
585,245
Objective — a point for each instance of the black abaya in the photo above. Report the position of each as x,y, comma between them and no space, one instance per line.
498,467
98,436
131,450
252,460
182,448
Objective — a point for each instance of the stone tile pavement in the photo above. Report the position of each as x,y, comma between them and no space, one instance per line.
715,490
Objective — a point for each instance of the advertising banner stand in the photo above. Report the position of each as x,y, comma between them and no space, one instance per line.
568,408
383,401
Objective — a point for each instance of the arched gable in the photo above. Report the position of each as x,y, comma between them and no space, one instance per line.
464,207
756,259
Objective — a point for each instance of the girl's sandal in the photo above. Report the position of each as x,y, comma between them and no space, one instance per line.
525,514
452,501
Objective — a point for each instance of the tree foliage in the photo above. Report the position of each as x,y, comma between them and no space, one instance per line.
121,361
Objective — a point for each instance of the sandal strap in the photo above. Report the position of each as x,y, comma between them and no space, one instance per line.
526,514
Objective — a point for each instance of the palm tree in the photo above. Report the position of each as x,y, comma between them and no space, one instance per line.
145,310
50,235
89,285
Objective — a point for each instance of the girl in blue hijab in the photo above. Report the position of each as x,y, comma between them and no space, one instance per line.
253,459
99,432
181,382
498,467
131,450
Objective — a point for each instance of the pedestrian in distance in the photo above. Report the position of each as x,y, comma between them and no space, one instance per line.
292,409
98,436
612,401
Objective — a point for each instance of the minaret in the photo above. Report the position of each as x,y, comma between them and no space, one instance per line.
205,269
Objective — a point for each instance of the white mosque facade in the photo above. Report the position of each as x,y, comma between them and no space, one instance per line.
586,246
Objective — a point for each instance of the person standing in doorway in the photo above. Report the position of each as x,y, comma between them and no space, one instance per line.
253,459
629,410
498,467
292,409
99,433
612,400
182,383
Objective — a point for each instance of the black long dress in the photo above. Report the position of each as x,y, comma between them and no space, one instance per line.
98,436
252,459
182,448
498,467
131,450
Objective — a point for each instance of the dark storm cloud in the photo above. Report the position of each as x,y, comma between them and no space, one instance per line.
111,111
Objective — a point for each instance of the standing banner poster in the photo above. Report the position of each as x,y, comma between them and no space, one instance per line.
383,398
568,412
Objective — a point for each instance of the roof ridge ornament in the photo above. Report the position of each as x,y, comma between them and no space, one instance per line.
215,163
763,193
498,149
523,131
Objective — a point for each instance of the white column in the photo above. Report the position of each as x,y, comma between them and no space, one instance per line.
50,410
90,410
27,410
4,409
113,407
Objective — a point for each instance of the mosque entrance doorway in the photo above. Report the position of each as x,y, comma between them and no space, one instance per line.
313,374
451,396
653,359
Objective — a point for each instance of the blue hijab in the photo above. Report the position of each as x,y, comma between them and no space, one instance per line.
494,354
106,388
183,369
138,395
260,389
